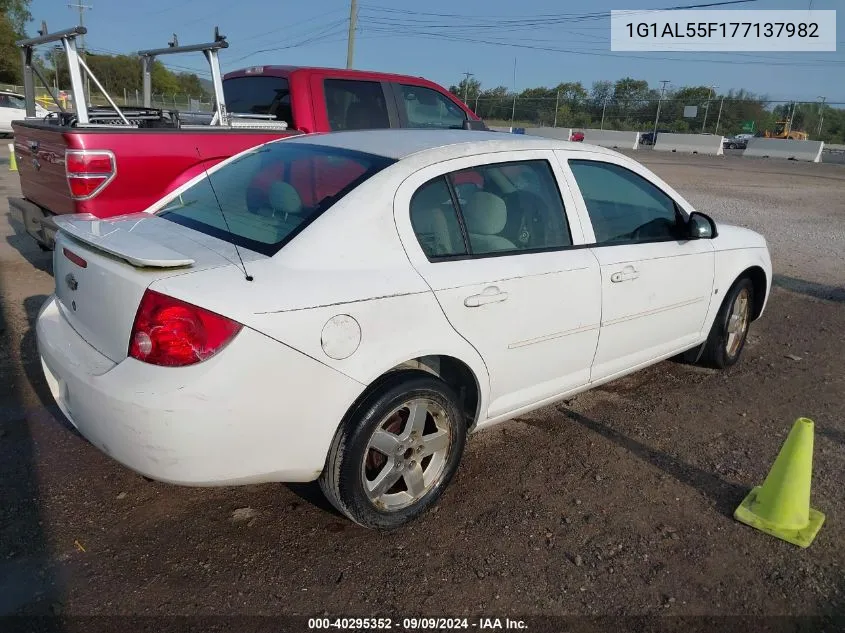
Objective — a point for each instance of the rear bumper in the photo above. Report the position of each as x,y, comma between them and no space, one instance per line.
31,219
256,412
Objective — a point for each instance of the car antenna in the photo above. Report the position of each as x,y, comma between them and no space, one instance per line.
223,215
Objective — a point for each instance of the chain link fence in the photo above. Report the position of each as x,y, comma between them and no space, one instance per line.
724,116
129,98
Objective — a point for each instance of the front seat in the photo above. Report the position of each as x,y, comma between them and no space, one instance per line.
486,215
284,200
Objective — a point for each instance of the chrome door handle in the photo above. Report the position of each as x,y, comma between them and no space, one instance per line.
626,274
491,294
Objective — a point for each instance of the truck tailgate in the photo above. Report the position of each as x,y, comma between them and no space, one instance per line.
149,162
41,165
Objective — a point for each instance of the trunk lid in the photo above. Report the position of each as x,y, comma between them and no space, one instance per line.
103,267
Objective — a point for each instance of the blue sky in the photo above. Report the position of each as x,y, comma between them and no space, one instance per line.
421,38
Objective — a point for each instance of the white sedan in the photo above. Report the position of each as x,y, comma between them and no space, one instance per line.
347,307
13,108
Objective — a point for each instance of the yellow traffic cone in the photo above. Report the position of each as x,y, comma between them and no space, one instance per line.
13,162
781,506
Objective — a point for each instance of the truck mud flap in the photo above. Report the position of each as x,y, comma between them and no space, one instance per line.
29,218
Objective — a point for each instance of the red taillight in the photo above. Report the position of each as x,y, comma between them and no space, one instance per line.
88,171
174,333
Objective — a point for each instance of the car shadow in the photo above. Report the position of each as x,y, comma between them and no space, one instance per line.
30,580
833,435
810,288
32,364
29,250
312,494
725,495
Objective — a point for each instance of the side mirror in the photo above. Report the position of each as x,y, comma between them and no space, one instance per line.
701,226
472,124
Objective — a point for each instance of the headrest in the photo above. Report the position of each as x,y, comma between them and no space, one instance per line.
284,198
485,214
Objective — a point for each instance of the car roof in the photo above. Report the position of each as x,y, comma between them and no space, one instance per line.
10,93
402,143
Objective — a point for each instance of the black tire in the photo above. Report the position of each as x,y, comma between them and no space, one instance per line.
342,479
719,351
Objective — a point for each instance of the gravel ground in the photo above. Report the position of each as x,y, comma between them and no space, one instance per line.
618,502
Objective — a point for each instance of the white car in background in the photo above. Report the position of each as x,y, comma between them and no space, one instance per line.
347,307
13,108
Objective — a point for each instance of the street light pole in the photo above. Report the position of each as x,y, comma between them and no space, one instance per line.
657,116
466,85
719,118
707,108
821,117
513,109
557,105
603,108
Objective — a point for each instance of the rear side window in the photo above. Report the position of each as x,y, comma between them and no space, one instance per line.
435,220
355,105
12,101
427,108
259,95
271,193
502,208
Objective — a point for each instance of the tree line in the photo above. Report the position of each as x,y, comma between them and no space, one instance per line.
631,104
118,73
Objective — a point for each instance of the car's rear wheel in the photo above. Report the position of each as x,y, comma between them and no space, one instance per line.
394,455
730,329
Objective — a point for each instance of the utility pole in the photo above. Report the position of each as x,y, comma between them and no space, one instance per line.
821,117
719,118
477,94
557,105
707,108
603,108
466,85
657,116
82,8
350,42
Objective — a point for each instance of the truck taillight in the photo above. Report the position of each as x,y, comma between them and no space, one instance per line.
88,171
173,333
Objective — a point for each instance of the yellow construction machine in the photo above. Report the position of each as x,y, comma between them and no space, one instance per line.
783,129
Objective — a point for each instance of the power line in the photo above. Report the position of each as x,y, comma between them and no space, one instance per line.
593,52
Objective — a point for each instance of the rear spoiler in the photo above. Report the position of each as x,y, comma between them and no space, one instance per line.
121,242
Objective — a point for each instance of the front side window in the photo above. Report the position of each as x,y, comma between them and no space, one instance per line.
356,105
623,206
502,208
259,95
427,108
271,193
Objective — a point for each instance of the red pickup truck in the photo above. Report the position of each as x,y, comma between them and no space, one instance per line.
124,160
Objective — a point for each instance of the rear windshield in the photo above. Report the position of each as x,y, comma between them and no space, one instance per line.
259,95
272,193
